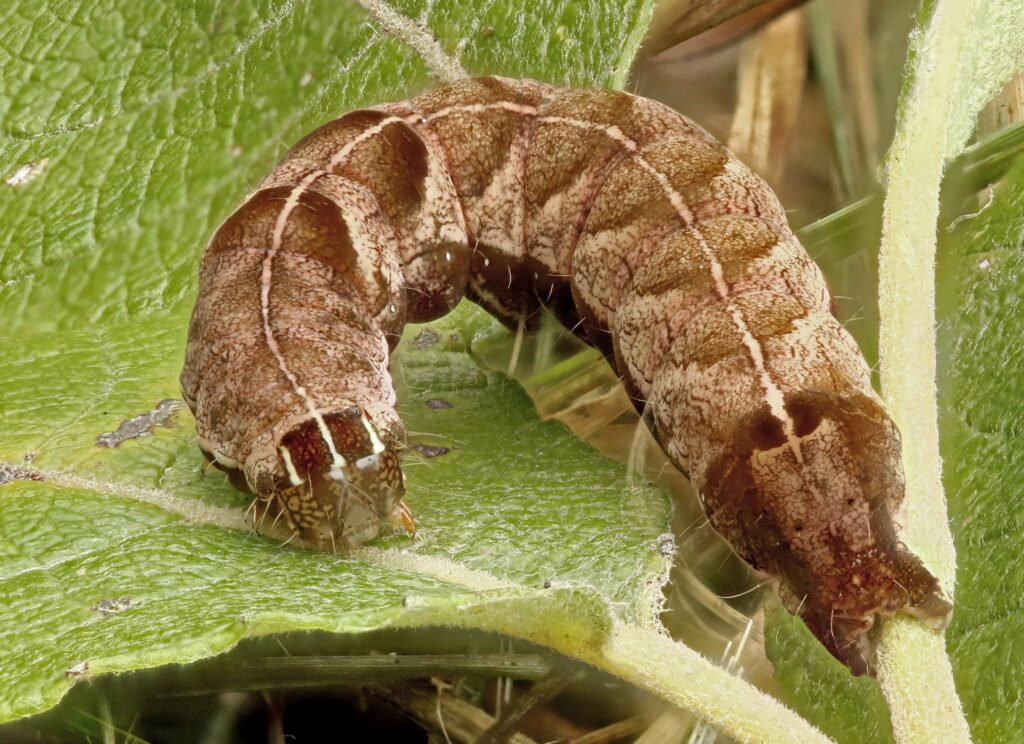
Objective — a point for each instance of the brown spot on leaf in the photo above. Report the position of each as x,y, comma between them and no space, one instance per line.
115,606
430,450
426,338
10,473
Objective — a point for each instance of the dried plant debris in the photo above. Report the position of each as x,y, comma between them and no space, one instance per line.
142,425
9,473
115,606
430,450
713,22
426,338
77,669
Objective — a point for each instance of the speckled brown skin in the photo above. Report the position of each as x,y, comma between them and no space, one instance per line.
636,229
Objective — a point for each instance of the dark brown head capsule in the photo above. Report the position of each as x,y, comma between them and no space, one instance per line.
336,482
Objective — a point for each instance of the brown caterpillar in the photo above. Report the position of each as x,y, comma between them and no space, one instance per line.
637,230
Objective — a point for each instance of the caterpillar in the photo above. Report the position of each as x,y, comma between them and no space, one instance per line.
638,231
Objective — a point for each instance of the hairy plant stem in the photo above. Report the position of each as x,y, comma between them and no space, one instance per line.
913,667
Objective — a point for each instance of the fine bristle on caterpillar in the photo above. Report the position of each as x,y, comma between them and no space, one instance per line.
635,228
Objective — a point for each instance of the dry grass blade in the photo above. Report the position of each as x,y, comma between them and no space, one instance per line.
669,728
459,722
854,37
296,672
275,720
675,21
542,690
772,70
840,45
614,732
1005,109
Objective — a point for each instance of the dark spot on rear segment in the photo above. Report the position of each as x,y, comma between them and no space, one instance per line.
805,412
766,431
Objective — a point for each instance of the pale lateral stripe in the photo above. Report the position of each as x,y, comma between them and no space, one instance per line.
293,474
772,392
268,267
375,443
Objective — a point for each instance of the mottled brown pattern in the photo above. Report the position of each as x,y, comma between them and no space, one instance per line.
484,137
633,226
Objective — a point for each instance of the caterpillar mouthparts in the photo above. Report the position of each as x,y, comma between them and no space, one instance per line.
637,230
342,480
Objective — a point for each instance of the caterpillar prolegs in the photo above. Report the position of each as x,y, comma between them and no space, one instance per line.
637,230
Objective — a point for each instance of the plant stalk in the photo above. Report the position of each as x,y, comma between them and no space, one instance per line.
913,668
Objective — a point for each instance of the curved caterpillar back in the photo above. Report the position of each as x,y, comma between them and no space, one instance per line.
637,230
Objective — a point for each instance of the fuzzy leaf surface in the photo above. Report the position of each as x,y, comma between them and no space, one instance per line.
127,133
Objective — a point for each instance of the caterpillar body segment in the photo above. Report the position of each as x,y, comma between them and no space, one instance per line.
637,230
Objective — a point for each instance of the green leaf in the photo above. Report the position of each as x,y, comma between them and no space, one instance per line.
151,131
850,709
981,322
127,132
963,53
105,523
147,124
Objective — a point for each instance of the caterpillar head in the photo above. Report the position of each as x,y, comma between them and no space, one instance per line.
337,480
813,500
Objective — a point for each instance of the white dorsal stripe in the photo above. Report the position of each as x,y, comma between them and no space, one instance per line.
337,460
265,282
523,109
772,393
342,154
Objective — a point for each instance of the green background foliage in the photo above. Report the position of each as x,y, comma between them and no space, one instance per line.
981,324
149,124
152,123
980,321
